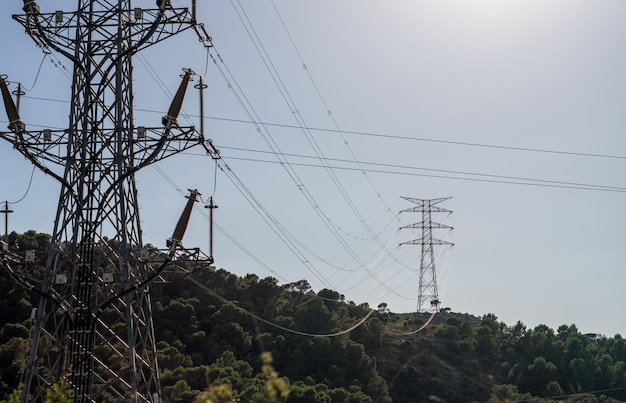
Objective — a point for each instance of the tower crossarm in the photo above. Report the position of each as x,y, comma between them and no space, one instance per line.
22,141
148,144
422,202
421,224
420,208
432,241
145,27
49,145
19,136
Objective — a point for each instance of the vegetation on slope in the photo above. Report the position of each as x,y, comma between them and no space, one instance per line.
214,344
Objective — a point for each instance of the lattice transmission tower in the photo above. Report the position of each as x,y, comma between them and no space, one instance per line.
428,295
93,323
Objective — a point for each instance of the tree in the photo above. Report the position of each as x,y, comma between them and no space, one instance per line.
537,376
553,389
584,373
215,394
606,372
301,393
301,287
510,393
485,340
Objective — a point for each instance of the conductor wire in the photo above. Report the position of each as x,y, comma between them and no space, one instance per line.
270,323
430,319
38,71
30,182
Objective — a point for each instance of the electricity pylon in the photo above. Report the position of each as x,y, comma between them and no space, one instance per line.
93,323
428,296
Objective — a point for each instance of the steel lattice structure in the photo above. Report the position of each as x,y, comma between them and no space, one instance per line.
428,296
93,323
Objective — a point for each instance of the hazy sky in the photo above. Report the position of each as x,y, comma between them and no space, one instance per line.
513,108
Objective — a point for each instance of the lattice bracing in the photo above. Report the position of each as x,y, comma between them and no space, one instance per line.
428,295
93,323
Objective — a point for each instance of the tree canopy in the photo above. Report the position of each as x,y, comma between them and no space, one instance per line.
212,347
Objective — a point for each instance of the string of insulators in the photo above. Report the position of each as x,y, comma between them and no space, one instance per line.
211,206
177,103
15,123
181,226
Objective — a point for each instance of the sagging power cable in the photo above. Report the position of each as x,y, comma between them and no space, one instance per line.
270,323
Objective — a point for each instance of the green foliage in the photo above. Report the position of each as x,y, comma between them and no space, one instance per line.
510,393
301,393
553,389
277,388
59,392
212,351
15,396
30,240
446,332
538,375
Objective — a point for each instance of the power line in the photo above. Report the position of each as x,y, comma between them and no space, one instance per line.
289,241
421,139
221,229
594,392
380,135
581,187
237,243
431,140
30,182
277,228
501,179
43,59
286,95
325,104
276,325
271,143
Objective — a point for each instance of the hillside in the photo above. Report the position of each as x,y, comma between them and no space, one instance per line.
255,340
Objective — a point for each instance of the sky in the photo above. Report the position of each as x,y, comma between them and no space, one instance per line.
327,113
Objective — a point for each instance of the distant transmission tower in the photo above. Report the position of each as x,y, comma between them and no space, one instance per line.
93,324
428,296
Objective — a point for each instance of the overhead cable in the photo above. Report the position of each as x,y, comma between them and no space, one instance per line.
43,59
30,182
380,135
285,163
249,109
430,140
512,181
328,111
270,323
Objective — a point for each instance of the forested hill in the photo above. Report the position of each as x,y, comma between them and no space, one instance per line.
225,338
